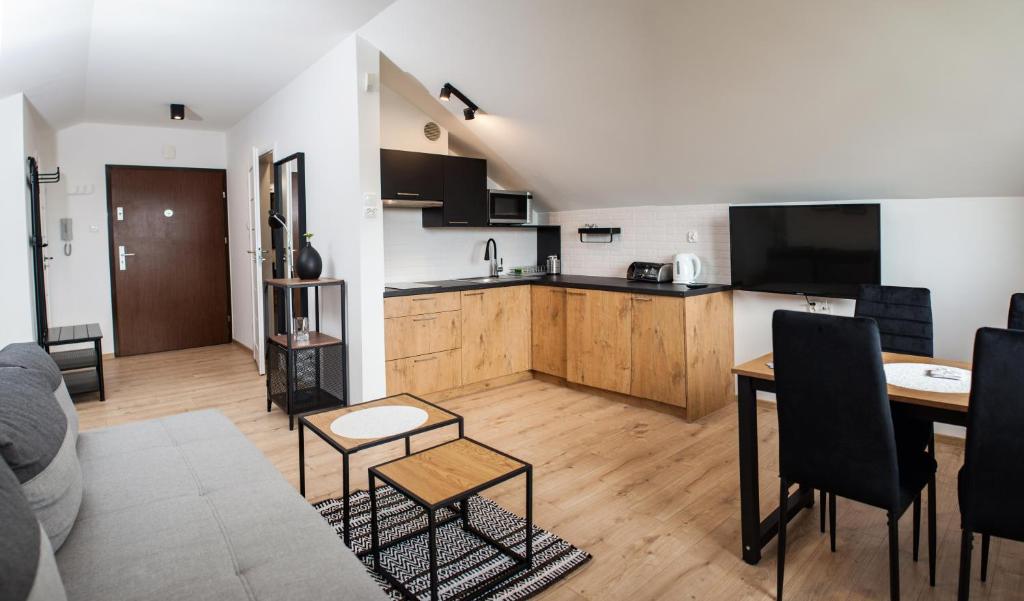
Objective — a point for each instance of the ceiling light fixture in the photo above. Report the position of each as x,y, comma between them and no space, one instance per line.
178,112
471,108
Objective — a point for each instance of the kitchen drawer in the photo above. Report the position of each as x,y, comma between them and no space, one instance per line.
421,334
425,374
401,306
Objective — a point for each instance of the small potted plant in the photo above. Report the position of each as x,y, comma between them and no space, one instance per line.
310,264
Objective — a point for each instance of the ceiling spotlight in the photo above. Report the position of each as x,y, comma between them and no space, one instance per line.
471,108
178,112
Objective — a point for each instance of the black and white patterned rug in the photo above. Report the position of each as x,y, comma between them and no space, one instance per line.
463,558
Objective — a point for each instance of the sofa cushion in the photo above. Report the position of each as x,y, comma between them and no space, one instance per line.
28,570
185,507
29,355
39,446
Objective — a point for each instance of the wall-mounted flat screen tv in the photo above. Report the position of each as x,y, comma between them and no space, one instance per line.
818,250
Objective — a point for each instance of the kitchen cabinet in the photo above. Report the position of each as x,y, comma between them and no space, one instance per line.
598,339
548,340
465,195
495,332
419,304
425,374
709,354
658,341
411,175
421,334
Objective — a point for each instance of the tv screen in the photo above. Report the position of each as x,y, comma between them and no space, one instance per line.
819,250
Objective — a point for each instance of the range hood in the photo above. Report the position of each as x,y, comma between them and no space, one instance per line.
410,203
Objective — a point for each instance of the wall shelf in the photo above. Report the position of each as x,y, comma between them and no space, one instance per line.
599,231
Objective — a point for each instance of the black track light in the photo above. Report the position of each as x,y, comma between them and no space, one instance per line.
471,108
178,112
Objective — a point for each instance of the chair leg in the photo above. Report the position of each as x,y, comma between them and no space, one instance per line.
917,525
894,556
985,540
783,512
966,545
932,531
822,503
832,520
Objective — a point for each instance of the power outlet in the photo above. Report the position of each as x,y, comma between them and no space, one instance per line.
369,212
692,237
819,306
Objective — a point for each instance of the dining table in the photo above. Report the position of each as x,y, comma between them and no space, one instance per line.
758,375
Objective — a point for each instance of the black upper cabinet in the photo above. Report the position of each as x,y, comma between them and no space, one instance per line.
465,195
411,175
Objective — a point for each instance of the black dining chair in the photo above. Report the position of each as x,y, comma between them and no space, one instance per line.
1016,320
835,426
991,482
904,318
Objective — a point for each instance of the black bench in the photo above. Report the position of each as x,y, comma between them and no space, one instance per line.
82,368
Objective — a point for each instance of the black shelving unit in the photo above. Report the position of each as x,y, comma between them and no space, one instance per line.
308,375
599,231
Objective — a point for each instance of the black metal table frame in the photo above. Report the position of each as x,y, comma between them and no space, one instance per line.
96,340
289,336
345,453
757,532
520,562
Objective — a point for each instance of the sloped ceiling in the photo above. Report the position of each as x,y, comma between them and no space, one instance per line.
635,102
124,61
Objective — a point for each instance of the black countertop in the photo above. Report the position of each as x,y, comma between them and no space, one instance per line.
563,281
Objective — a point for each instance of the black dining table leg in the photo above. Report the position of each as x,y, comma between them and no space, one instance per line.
750,502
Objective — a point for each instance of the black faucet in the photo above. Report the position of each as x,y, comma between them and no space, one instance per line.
493,258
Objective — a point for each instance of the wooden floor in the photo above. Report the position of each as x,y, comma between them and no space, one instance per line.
653,498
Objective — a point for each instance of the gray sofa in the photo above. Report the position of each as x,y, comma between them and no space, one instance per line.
185,507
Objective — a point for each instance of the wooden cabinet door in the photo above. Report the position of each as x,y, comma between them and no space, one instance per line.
548,307
425,374
658,367
598,339
495,333
709,353
421,334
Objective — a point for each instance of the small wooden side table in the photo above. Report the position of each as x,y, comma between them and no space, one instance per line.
81,369
320,422
443,476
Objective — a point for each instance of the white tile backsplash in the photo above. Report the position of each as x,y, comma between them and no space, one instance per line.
650,233
415,253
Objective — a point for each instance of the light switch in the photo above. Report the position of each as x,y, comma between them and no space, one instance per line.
169,151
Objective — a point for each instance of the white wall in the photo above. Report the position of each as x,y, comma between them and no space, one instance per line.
650,233
79,285
401,125
324,113
415,253
968,251
17,323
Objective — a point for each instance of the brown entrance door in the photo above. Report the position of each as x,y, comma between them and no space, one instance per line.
168,258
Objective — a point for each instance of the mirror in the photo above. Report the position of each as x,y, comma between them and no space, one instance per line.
287,218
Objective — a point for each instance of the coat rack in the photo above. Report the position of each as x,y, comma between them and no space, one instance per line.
36,242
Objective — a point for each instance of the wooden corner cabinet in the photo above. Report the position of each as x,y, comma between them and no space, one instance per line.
669,349
305,375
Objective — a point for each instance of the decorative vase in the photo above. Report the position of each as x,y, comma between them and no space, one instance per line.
309,264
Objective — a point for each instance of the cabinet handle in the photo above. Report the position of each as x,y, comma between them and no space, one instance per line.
642,298
424,359
472,294
428,318
422,298
576,293
459,222
407,193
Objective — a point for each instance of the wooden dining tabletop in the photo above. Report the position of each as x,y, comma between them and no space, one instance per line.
949,401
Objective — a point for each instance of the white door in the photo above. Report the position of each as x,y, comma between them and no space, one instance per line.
258,256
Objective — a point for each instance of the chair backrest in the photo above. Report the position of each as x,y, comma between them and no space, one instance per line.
904,317
1016,320
835,423
992,492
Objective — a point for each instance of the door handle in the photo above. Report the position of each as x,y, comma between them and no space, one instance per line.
121,254
575,293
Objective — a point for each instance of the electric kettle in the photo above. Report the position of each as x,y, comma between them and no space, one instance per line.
685,268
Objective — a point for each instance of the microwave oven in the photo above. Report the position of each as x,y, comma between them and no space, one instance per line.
506,206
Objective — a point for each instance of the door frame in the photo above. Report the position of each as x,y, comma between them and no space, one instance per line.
110,241
255,246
